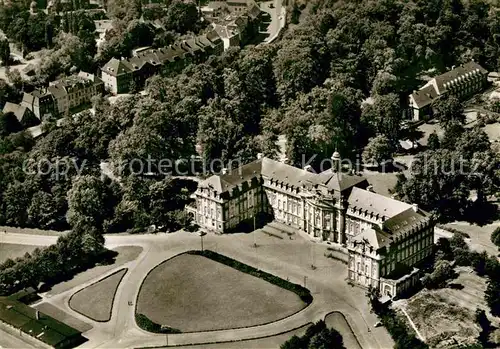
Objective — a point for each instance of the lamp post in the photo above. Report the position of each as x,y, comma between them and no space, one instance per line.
201,239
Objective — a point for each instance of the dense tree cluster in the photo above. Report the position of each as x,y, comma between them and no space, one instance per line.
443,271
73,253
317,336
311,86
445,177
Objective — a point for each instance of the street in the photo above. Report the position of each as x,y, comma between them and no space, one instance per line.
288,259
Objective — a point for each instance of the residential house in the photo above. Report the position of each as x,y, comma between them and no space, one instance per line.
25,116
120,76
41,102
329,206
462,81
74,91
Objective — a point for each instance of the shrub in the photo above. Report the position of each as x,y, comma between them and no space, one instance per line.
317,336
146,324
437,279
495,236
302,292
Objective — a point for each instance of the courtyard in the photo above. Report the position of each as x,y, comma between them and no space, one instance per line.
193,293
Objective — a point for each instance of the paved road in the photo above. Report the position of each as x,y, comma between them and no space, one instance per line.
290,259
278,18
9,341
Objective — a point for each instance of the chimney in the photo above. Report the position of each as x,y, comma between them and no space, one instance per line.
224,171
260,156
415,207
308,168
370,188
37,315
285,160
452,67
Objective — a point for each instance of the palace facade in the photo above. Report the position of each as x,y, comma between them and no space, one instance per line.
385,238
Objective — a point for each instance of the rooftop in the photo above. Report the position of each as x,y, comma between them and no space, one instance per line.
18,110
376,204
45,328
278,171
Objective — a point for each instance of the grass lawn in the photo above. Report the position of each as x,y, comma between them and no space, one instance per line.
446,314
273,342
14,251
493,131
193,293
480,236
62,316
125,254
96,300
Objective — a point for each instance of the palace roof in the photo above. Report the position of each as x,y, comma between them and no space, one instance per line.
376,204
278,171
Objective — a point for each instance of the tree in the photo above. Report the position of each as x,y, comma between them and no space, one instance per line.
443,271
182,17
492,295
378,151
495,236
485,325
433,141
87,203
448,109
384,116
43,211
317,336
5,52
9,124
14,76
438,183
327,339
299,65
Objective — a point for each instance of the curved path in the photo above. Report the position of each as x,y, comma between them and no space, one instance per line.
288,259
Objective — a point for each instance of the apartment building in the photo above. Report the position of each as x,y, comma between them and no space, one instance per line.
61,96
329,206
120,75
462,81
75,91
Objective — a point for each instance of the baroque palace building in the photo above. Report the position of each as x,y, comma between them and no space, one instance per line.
384,238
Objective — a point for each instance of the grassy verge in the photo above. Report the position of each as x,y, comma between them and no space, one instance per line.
146,324
302,292
96,301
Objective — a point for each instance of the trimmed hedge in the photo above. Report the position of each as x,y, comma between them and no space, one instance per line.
146,324
302,292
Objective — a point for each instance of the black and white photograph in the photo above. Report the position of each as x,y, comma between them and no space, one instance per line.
250,174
